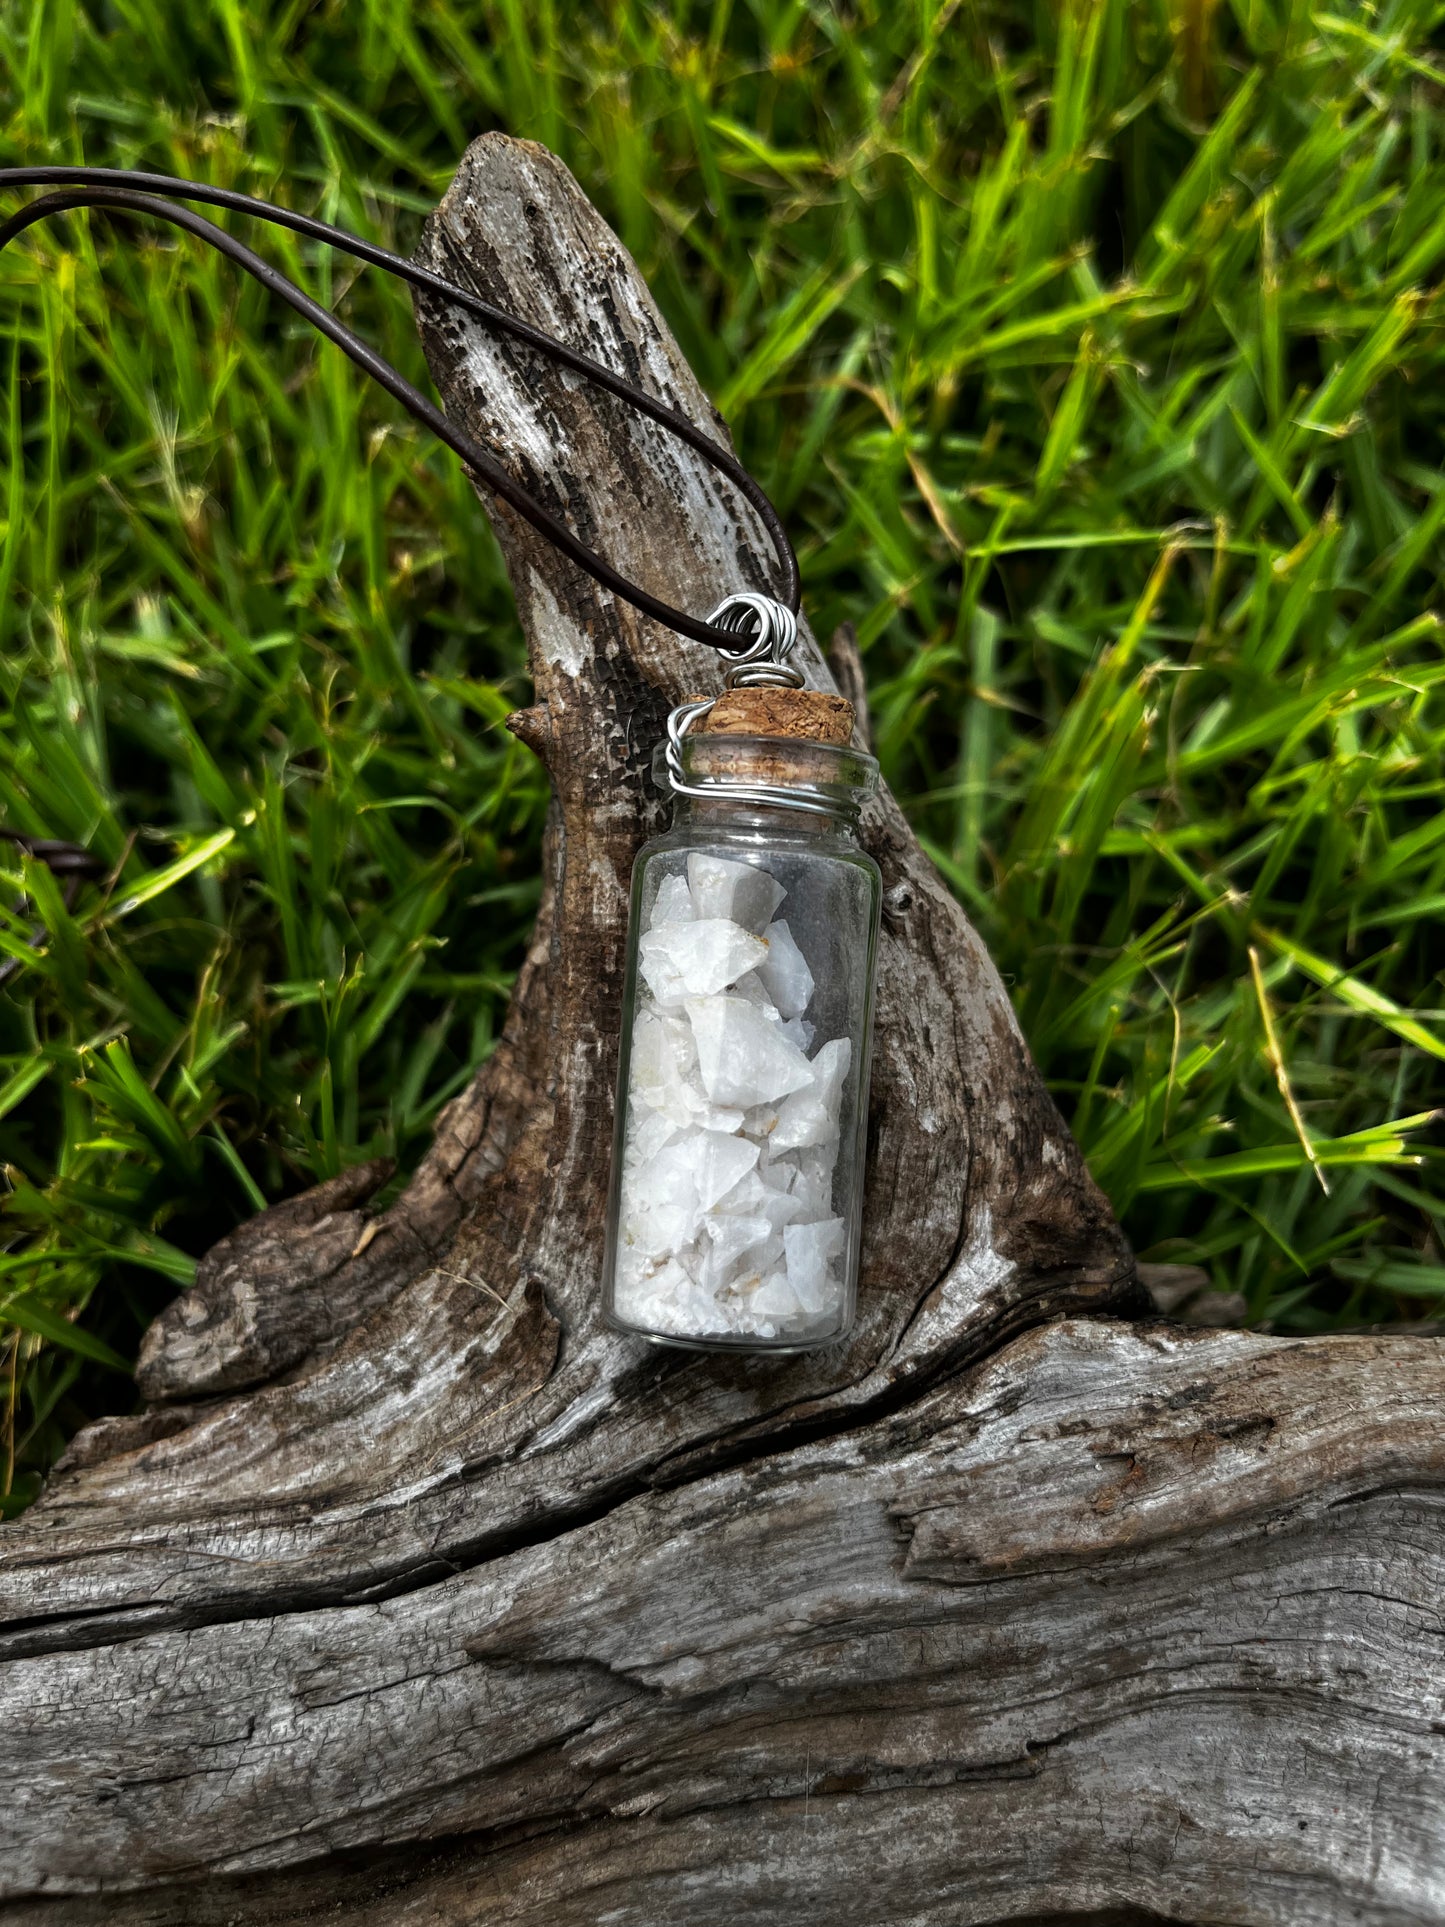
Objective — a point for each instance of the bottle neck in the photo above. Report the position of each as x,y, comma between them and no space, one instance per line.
745,783
728,813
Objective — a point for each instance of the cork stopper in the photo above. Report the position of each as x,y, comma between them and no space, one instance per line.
810,715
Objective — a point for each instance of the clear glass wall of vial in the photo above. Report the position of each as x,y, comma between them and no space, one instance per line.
737,1177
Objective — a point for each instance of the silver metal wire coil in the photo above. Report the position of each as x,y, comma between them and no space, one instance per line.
771,630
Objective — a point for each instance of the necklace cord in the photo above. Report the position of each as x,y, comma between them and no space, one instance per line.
133,191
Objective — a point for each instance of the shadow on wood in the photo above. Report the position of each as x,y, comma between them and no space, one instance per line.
416,1595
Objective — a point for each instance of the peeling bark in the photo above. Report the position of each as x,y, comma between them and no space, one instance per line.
415,1594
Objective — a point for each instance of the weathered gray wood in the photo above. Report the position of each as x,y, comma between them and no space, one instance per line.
416,1595
1105,1623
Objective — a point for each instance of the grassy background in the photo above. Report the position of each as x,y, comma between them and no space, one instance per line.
1094,352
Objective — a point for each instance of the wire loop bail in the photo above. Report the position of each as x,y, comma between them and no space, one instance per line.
772,628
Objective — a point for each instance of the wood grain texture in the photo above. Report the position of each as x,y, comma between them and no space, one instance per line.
414,1594
1103,1623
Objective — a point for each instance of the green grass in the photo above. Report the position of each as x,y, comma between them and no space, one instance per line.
1096,355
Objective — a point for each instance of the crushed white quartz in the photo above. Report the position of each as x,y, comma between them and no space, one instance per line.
726,1221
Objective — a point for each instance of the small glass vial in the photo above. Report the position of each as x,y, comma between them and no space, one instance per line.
737,1175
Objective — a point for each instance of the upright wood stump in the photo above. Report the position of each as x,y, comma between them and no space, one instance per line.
415,1595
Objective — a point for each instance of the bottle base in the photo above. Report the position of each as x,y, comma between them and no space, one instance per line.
739,1346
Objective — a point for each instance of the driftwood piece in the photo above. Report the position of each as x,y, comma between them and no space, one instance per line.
415,1595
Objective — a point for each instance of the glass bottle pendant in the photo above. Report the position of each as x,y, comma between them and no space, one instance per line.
737,1176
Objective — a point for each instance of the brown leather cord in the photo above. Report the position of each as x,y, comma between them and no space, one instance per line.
133,191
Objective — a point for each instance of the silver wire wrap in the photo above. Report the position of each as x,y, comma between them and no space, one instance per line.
761,662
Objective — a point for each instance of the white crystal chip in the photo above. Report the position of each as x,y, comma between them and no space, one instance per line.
742,892
784,972
673,903
727,1226
810,1250
810,1115
664,1074
681,960
743,1056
